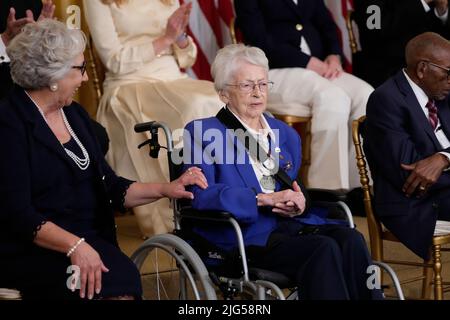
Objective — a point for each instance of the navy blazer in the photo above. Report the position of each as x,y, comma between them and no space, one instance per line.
37,176
399,132
233,186
272,25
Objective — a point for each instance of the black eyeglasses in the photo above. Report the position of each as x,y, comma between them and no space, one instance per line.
441,67
82,68
248,87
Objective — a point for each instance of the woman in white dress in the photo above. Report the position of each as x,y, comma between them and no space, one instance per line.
143,45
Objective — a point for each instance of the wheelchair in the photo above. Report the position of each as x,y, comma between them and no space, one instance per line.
173,270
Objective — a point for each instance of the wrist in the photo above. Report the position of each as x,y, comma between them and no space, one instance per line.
182,41
5,38
74,247
446,160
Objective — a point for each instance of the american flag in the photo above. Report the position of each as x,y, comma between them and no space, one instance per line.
209,27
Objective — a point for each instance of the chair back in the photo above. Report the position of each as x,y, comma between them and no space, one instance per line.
96,70
374,225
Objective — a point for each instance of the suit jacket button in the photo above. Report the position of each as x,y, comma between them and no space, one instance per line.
299,27
110,201
103,178
434,205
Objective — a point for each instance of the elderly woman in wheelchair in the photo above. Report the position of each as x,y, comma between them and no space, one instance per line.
251,161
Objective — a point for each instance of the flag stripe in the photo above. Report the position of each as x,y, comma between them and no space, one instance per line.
209,25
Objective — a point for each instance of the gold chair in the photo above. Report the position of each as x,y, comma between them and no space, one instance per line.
96,70
378,234
351,32
301,124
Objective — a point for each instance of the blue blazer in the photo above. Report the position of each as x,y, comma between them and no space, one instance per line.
272,26
37,176
399,132
232,187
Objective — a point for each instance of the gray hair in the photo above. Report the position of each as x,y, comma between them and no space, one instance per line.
43,53
229,59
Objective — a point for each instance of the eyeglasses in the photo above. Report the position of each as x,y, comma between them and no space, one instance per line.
248,87
441,67
82,68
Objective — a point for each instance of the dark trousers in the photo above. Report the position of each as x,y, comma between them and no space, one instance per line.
326,262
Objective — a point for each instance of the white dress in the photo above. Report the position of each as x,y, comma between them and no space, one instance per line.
141,86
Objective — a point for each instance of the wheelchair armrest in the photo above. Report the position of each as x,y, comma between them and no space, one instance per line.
325,195
190,213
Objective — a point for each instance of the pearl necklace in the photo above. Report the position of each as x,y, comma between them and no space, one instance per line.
82,163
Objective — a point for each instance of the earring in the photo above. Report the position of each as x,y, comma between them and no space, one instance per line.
53,87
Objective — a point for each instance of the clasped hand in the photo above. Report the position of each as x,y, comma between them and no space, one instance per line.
424,174
287,203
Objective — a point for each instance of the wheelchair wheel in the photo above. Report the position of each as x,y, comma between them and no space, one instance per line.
172,270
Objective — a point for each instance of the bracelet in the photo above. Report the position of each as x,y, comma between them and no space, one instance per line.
182,37
75,246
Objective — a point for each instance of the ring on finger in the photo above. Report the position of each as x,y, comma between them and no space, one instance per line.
422,188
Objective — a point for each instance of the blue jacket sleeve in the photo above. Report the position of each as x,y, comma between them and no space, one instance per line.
237,199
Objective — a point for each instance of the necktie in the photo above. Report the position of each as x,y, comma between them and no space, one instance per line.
432,113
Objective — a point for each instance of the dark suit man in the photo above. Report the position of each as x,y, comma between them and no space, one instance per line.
383,49
11,22
276,26
407,144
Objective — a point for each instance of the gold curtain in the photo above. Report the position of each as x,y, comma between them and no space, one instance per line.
71,12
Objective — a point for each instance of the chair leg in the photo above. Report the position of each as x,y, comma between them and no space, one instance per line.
427,281
437,266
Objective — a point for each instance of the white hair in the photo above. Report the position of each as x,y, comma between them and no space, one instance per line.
229,59
43,53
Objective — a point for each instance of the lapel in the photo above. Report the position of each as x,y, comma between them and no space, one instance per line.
293,6
415,108
41,131
245,170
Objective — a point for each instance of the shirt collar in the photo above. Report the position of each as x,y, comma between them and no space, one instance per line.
418,92
257,133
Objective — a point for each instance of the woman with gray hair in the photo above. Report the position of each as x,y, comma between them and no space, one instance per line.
58,192
255,178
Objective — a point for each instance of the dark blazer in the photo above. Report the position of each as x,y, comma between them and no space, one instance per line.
383,50
399,132
20,6
37,176
272,25
232,186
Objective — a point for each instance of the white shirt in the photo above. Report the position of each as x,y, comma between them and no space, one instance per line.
262,137
427,8
303,44
422,98
3,56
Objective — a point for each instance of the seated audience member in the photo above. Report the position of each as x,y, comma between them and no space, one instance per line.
329,263
385,30
58,193
13,16
300,40
143,45
407,143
